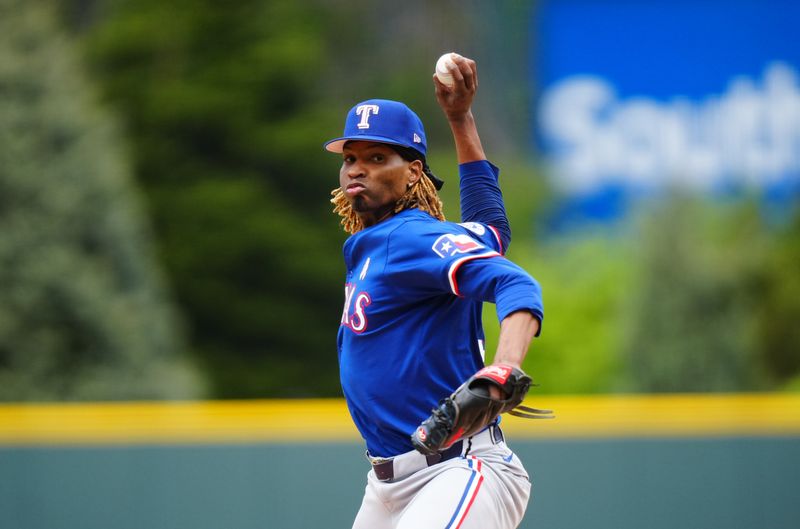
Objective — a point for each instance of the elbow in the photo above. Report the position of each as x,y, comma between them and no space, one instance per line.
505,239
524,293
503,230
536,306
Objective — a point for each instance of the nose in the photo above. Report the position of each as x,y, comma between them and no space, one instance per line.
355,170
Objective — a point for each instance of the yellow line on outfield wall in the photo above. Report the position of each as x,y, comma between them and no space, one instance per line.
327,420
695,415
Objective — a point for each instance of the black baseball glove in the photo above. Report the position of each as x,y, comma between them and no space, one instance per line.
471,408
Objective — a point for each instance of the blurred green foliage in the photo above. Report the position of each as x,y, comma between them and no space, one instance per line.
686,296
83,311
777,333
692,320
223,107
714,298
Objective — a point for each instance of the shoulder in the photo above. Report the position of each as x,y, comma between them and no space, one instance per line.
414,222
419,233
465,236
418,225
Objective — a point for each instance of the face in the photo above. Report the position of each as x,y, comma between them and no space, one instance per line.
373,177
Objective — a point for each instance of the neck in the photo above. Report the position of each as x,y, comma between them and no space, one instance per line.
374,217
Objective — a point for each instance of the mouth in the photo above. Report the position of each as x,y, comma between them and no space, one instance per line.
354,189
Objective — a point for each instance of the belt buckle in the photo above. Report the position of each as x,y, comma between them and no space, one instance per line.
376,460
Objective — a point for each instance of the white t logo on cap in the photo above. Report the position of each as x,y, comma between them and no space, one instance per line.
365,111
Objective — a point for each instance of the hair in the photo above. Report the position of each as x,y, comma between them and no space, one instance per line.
421,195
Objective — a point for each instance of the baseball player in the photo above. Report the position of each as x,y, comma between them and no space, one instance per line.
410,344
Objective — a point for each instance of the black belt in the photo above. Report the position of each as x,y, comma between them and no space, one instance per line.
385,471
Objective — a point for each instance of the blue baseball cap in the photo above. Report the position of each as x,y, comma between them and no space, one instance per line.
382,121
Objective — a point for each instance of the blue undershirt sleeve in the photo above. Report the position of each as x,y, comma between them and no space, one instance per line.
481,198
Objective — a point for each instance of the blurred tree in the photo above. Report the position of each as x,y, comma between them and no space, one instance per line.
584,297
225,110
691,324
778,310
83,313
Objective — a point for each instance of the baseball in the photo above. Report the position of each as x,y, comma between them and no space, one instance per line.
443,66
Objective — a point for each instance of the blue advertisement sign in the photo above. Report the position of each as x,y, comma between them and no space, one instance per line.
638,96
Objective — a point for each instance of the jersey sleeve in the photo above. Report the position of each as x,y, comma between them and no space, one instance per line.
503,283
481,198
464,260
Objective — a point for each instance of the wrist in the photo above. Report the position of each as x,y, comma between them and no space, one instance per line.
507,362
459,120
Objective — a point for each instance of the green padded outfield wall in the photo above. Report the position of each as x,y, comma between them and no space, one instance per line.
608,484
589,479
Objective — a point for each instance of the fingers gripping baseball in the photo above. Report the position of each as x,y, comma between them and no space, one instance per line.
471,408
456,82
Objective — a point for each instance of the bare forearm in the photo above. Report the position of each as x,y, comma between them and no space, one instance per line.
516,332
456,103
467,140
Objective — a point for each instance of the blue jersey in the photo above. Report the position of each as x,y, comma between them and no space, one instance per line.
411,329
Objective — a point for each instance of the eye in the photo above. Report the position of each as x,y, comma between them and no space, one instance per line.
378,157
349,158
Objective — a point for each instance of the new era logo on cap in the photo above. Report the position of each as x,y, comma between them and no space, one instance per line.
382,121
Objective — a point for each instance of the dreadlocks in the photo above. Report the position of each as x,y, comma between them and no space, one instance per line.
421,195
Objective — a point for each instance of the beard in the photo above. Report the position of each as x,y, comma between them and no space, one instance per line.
359,204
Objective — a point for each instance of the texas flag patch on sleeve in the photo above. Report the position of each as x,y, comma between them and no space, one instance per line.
449,245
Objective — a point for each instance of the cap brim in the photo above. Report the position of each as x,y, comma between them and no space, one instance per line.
337,145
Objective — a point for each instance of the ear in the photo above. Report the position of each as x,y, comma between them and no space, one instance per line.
415,172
